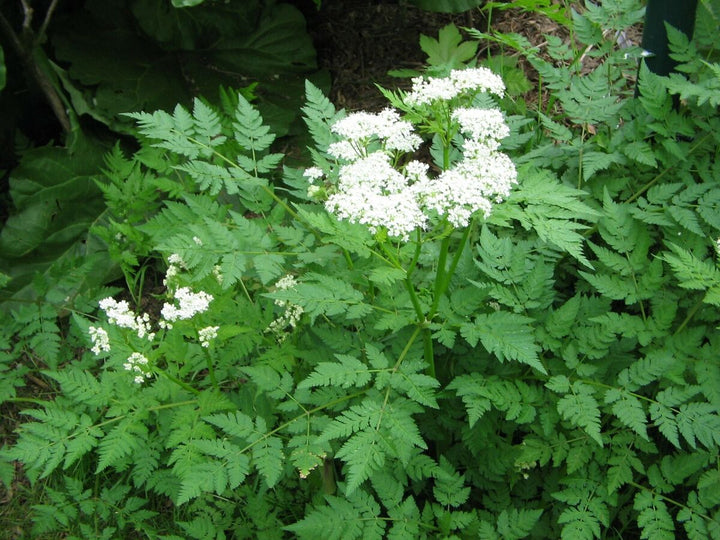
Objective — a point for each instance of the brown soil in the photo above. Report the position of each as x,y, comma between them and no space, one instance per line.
359,41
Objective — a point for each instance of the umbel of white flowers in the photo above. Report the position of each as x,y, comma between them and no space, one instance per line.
187,304
371,187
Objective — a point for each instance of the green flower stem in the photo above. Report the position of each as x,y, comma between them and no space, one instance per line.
211,370
177,381
440,275
429,352
689,316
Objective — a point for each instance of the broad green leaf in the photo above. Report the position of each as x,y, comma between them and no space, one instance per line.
175,58
448,51
56,201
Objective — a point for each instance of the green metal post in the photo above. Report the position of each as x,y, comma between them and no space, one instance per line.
679,14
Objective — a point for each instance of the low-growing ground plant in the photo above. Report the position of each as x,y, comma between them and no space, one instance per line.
453,322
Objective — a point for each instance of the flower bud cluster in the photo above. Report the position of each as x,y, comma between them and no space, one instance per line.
175,265
292,314
119,314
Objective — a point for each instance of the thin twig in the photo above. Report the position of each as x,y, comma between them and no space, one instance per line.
46,21
27,20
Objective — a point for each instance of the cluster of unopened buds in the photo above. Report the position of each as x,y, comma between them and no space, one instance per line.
292,314
377,183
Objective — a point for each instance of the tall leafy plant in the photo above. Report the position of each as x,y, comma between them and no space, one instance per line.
529,354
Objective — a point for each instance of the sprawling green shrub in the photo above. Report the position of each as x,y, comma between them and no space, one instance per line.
373,346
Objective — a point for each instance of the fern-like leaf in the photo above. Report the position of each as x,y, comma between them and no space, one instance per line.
506,335
249,129
346,373
319,114
629,410
580,407
516,523
692,272
364,453
267,453
653,519
235,424
121,442
357,516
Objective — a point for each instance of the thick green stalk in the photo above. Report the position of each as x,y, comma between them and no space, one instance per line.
441,285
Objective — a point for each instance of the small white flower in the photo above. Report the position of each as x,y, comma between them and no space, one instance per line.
313,173
345,150
292,314
415,170
286,282
373,190
134,363
478,79
358,129
197,240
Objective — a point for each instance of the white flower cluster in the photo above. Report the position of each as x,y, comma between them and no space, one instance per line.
425,91
189,304
359,129
487,125
100,339
484,177
370,188
207,334
136,363
292,313
372,192
119,314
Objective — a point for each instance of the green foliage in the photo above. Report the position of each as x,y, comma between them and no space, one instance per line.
549,371
448,51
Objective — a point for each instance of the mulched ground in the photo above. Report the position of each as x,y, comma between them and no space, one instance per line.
359,41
